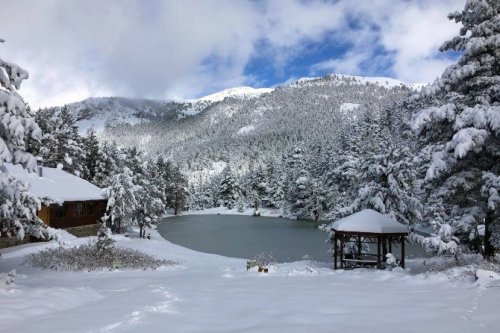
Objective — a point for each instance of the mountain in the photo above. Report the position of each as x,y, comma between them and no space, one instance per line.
102,112
241,126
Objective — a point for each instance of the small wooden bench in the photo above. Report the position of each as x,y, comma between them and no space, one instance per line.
353,263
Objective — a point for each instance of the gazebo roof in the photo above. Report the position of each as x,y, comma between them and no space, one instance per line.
369,221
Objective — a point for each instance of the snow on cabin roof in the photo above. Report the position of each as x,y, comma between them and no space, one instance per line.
56,184
369,221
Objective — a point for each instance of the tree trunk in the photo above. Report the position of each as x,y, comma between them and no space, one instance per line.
176,204
489,250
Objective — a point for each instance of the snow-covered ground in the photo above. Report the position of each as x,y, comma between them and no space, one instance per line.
210,293
269,212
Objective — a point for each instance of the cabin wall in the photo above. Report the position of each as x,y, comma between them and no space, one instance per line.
75,213
44,214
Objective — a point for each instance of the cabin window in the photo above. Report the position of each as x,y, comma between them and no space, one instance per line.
79,209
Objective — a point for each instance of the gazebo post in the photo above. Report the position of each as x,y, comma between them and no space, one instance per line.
403,251
379,264
335,250
390,244
359,246
341,250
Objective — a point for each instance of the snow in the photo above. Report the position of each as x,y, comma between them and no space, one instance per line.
267,212
246,129
370,221
103,111
214,169
237,92
386,82
348,107
56,185
381,81
210,293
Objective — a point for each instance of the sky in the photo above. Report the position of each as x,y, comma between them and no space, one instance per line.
181,49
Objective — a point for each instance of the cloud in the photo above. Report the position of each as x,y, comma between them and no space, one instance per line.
160,49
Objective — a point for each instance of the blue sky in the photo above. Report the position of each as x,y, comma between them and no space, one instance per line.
186,49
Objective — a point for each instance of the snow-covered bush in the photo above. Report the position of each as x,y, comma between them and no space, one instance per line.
7,278
90,257
264,260
391,261
104,240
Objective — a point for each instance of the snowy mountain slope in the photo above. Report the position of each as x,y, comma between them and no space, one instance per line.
335,79
103,112
237,92
110,111
243,126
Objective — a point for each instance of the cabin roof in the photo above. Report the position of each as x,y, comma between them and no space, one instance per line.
369,221
56,184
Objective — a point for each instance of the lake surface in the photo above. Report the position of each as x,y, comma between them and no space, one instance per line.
246,236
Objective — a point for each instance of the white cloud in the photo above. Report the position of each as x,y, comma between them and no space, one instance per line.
76,49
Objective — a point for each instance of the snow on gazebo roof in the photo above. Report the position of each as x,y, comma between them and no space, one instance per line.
369,221
56,184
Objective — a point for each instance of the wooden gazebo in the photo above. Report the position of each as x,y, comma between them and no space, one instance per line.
371,228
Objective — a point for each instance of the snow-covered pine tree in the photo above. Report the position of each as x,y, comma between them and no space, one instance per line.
60,144
180,191
90,146
18,206
228,189
150,204
106,164
387,180
122,201
461,124
300,194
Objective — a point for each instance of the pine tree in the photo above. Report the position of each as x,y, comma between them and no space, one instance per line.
461,124
18,206
61,144
228,189
122,201
387,186
107,164
150,204
90,146
180,192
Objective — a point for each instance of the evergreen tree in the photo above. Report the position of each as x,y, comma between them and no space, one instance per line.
18,206
61,144
461,124
107,164
228,189
91,148
122,201
387,180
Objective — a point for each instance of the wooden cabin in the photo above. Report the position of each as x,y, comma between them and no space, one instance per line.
365,238
69,201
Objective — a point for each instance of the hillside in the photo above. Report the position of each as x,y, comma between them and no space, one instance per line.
241,126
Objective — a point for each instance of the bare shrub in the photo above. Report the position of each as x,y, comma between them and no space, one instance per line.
89,257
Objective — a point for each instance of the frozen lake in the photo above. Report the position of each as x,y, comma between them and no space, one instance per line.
246,236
